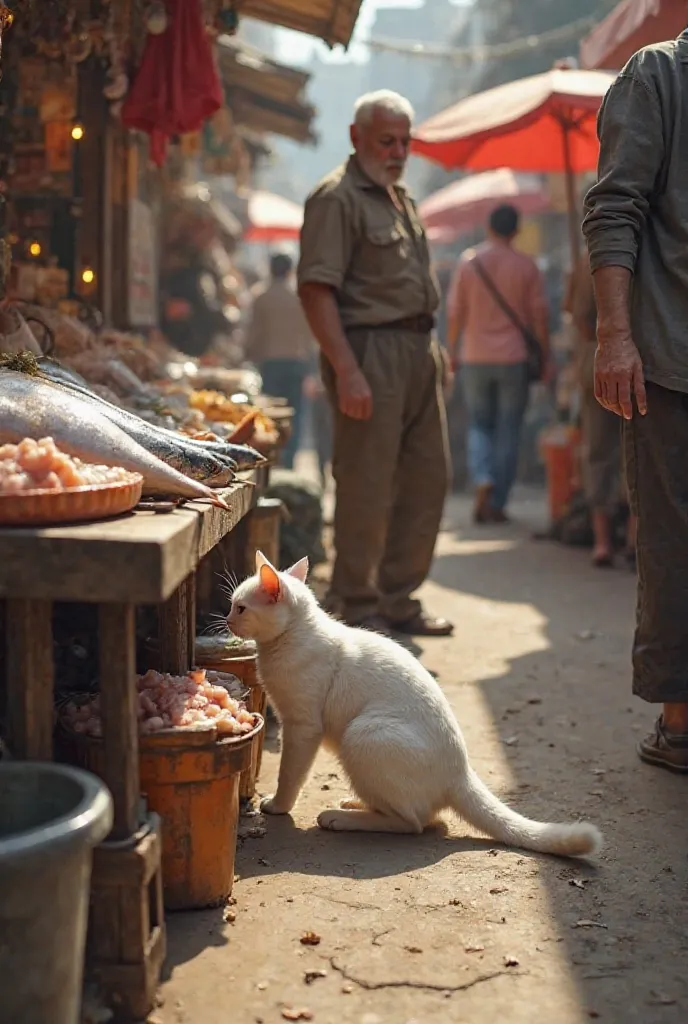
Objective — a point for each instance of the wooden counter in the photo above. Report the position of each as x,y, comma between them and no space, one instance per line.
139,559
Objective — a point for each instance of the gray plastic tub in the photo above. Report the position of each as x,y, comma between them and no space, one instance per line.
51,816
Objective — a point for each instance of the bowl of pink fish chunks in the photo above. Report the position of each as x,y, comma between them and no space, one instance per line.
201,701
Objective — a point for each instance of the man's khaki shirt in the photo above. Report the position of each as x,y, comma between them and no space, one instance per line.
374,255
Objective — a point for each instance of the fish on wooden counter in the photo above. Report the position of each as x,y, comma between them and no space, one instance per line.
158,439
34,407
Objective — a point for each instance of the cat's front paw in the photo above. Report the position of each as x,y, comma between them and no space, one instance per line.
268,805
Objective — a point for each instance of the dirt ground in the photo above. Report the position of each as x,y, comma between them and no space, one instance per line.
452,927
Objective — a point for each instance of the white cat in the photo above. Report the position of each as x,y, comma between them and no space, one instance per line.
370,701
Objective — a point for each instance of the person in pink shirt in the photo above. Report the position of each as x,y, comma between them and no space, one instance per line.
496,294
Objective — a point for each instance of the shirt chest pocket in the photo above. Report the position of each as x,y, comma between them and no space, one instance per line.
386,244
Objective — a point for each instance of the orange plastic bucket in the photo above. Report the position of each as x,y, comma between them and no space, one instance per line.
559,448
193,784
191,779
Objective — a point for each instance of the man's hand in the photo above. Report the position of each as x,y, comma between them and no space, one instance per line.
312,387
448,373
354,394
619,374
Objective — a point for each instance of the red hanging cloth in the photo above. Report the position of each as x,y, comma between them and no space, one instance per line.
177,86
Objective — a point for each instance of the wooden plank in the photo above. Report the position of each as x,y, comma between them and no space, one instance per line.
30,677
119,702
3,672
191,606
137,559
177,629
104,924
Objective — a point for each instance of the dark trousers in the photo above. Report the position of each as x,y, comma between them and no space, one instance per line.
655,448
283,378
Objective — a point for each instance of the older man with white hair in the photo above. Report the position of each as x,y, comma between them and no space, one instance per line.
370,295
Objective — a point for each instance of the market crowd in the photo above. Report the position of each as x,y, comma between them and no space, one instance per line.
366,301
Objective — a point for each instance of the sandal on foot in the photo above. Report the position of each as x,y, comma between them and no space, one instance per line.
665,749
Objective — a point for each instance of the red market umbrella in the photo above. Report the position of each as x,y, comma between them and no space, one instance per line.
545,123
630,26
272,218
177,86
466,204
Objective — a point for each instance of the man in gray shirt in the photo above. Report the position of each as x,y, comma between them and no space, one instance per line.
636,226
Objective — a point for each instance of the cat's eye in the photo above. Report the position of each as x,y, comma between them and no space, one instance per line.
240,609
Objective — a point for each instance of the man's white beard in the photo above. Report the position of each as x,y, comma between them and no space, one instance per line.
382,176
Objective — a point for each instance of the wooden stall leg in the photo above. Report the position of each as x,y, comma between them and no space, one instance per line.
232,550
119,702
30,677
126,936
264,522
177,629
191,606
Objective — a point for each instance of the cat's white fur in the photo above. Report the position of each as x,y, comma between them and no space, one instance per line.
368,700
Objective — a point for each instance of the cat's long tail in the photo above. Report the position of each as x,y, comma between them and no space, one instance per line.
486,812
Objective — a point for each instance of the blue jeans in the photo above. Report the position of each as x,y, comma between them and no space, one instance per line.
283,378
496,400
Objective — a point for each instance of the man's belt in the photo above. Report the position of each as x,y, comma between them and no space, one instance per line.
422,324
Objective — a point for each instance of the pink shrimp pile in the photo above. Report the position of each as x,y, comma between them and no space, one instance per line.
199,700
40,465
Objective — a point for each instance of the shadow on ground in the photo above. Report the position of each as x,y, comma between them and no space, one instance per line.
457,929
569,726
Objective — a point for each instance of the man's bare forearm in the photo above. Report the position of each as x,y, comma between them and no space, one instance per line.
612,294
321,311
453,331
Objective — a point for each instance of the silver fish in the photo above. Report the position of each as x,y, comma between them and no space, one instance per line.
32,407
233,456
203,466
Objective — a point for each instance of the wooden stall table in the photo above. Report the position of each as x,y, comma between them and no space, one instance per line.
145,558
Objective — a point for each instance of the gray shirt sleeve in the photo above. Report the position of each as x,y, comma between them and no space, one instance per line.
631,156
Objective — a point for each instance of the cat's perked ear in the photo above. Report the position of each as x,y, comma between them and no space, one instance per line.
299,570
269,581
261,560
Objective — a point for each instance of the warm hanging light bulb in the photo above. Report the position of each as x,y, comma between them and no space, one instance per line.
35,249
88,275
78,132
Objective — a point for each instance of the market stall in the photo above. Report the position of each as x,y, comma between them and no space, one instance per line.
104,445
131,475
117,565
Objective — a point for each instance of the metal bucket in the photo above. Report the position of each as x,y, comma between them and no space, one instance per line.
51,817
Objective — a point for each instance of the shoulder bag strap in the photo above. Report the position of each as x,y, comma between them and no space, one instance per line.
498,297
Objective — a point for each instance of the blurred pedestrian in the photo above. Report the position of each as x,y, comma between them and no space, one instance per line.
280,343
368,289
601,429
497,294
637,232
321,422
191,307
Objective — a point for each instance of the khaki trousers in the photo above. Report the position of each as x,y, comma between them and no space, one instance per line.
392,476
